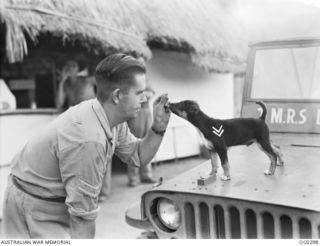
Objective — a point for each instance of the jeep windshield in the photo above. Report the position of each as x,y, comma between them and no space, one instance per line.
286,73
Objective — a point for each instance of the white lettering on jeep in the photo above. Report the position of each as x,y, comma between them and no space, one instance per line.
276,115
303,116
290,116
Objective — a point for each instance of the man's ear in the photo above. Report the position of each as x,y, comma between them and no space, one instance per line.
116,96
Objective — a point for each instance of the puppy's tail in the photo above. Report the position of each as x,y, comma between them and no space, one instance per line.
264,110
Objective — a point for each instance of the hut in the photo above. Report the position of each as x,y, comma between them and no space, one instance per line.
202,29
188,45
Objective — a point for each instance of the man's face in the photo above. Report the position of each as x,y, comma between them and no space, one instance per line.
130,103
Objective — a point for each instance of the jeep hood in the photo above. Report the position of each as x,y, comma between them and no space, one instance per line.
296,184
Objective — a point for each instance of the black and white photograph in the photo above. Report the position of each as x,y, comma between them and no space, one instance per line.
159,119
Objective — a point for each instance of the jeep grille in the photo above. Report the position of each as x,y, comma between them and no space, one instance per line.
216,217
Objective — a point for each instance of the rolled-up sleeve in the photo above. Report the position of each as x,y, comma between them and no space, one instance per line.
127,146
82,168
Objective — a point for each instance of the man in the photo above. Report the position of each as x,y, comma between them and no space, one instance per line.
57,177
75,86
139,126
7,99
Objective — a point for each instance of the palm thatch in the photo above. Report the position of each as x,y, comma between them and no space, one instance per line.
202,28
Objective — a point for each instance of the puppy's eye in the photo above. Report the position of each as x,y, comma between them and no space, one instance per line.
193,109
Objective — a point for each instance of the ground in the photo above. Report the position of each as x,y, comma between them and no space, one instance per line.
111,219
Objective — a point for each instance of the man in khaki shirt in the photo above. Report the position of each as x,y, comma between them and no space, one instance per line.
56,179
139,127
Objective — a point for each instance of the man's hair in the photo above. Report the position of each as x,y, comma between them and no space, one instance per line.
116,71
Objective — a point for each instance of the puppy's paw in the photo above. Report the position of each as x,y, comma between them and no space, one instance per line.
280,163
268,172
225,178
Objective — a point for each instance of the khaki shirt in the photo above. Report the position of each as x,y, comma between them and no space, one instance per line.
70,156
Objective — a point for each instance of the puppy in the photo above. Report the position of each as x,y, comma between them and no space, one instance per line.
221,134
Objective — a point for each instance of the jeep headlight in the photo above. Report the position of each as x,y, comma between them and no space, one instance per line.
169,213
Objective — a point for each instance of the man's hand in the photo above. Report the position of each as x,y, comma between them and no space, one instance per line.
81,228
149,145
161,113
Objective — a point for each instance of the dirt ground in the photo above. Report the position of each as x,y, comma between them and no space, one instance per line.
111,219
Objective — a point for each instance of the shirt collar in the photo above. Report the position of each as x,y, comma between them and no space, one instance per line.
102,117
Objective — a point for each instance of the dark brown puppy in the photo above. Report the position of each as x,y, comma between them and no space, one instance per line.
221,134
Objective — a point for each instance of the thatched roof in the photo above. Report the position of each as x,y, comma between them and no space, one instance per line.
202,28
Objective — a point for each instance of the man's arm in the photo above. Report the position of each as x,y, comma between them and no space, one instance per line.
149,146
81,167
61,95
68,70
81,228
